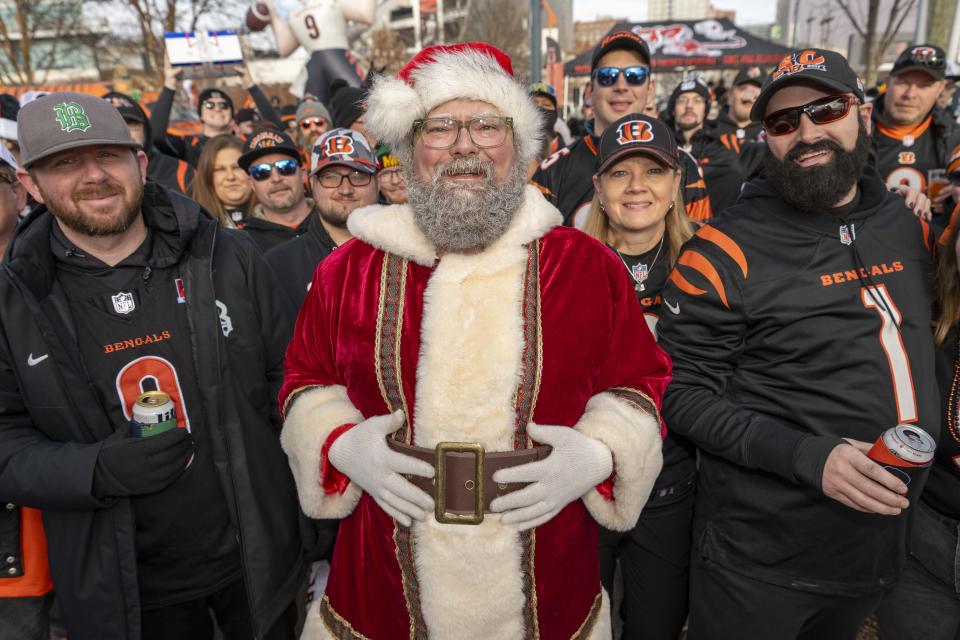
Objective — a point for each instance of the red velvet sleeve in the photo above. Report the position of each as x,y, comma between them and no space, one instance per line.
331,479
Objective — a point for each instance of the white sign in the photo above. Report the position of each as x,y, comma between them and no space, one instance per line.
203,48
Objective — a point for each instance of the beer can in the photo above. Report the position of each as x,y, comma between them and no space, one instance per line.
905,450
153,413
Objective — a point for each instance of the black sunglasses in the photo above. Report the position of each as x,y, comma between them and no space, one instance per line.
607,76
216,105
822,111
262,171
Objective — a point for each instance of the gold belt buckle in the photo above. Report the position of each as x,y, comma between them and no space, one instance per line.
440,511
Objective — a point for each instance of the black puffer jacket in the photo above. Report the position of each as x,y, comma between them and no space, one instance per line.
52,424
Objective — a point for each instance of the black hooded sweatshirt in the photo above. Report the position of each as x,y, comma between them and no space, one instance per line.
789,331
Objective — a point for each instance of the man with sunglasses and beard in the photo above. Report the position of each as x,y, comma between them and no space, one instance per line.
912,135
343,179
113,288
283,212
620,81
799,327
471,387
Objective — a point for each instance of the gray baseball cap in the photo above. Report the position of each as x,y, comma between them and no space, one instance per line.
64,120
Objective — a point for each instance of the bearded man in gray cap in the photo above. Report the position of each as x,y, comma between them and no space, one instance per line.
113,289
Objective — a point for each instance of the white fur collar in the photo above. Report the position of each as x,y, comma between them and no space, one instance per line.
392,228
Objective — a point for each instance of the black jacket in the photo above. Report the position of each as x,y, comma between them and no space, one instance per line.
52,424
295,261
267,235
719,164
779,328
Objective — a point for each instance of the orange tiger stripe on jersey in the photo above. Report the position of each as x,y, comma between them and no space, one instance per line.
699,184
699,210
727,244
684,285
701,265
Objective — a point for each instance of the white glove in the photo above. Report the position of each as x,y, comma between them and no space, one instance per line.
576,465
363,456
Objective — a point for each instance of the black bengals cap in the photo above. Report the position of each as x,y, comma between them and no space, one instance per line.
266,142
822,67
620,40
928,58
637,134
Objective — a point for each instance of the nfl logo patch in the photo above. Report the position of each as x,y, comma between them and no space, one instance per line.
847,234
640,272
123,302
181,291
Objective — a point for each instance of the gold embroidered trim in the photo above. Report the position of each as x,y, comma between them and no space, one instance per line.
531,625
296,392
393,284
638,400
531,363
404,549
586,629
335,624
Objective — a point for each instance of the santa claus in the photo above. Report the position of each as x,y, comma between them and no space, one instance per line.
471,387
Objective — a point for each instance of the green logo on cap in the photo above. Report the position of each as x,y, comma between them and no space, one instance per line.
71,117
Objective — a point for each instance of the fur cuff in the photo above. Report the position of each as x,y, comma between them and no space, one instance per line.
310,420
633,437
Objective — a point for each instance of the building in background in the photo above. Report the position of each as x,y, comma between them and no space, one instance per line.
677,10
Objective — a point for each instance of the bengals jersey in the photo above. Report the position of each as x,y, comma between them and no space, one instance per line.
134,336
788,332
566,179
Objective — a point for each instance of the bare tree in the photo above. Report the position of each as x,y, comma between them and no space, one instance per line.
867,27
504,24
32,37
387,51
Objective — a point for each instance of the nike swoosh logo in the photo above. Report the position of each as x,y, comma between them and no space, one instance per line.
674,309
31,361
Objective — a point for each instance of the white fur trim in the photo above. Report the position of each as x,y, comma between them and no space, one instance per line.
314,414
603,629
634,438
392,228
393,104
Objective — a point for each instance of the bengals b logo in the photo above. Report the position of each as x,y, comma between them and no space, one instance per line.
923,54
338,145
634,131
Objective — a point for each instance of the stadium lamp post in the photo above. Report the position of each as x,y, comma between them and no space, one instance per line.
536,38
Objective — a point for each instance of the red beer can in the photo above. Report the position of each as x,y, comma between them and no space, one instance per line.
905,450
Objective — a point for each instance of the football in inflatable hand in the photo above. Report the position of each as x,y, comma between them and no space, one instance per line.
258,17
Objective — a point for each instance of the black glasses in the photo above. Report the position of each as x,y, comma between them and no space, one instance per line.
822,111
262,171
442,133
216,105
607,76
333,180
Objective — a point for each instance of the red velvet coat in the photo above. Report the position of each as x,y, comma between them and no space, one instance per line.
541,326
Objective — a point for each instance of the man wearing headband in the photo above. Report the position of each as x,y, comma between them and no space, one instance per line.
799,327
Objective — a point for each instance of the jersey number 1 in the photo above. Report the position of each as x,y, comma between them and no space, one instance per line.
892,344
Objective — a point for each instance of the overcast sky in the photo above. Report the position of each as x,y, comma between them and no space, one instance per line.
748,11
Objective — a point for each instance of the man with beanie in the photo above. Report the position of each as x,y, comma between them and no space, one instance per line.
443,334
734,119
161,168
799,327
246,120
620,80
313,120
215,109
912,135
114,288
687,113
343,179
275,170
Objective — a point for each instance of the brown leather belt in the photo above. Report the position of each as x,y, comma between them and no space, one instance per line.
463,486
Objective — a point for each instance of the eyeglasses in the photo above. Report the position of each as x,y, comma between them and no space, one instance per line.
822,111
216,105
264,170
309,123
391,175
607,76
333,180
485,132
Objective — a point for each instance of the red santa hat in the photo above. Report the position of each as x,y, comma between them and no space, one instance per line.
472,71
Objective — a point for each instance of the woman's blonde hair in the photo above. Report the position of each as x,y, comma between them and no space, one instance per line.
677,228
948,282
202,188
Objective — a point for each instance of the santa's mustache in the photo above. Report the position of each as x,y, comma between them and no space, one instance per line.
464,166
